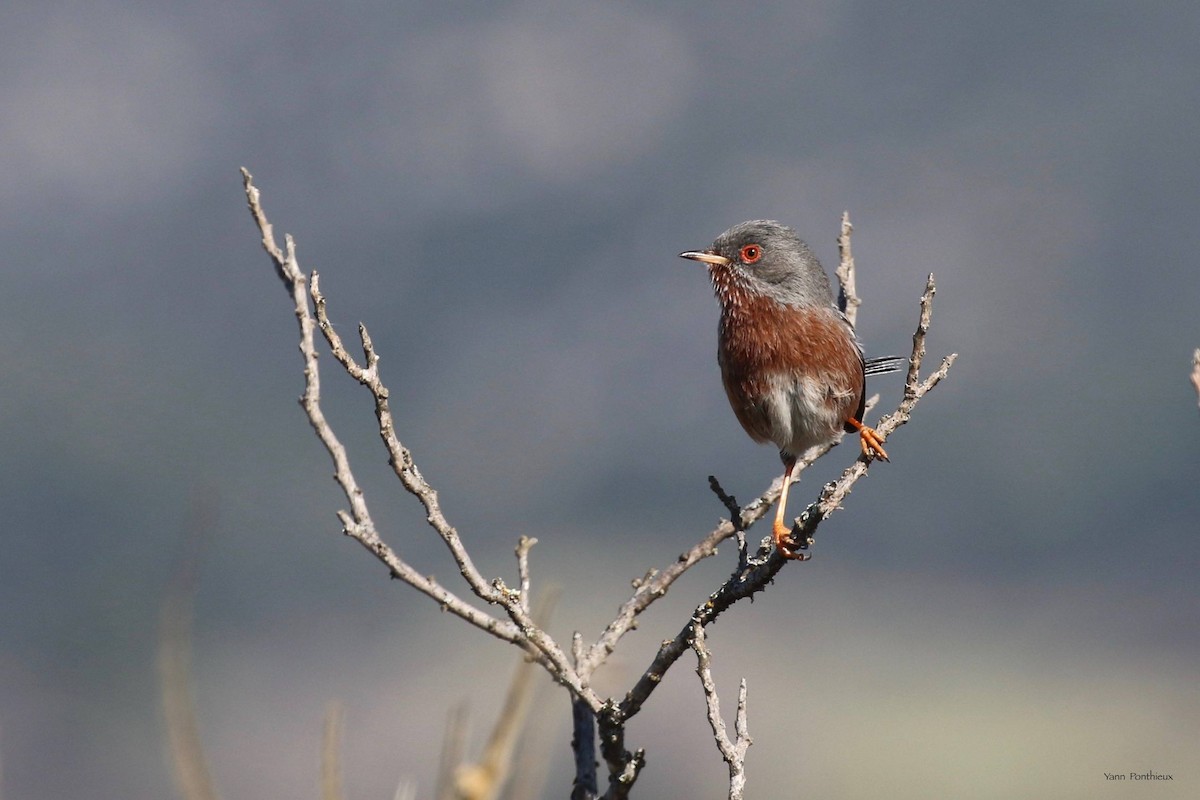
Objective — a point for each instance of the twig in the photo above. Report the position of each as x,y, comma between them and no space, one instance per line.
524,545
734,753
735,516
520,629
657,582
848,299
727,500
400,458
357,523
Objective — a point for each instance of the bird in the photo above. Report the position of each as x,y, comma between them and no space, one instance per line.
791,364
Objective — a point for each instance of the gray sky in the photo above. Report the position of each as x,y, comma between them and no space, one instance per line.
1007,609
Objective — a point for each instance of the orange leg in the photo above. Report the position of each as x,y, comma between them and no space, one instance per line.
781,532
872,442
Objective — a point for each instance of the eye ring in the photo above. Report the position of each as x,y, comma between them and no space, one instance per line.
750,253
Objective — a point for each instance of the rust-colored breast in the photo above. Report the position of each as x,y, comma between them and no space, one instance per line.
764,345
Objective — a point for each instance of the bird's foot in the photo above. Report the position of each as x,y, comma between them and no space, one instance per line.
871,441
784,543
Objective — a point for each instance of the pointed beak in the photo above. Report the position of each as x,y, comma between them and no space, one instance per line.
707,257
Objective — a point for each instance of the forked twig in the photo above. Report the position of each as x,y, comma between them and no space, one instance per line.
519,629
733,752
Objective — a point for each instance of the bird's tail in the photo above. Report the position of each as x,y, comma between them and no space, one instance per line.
884,364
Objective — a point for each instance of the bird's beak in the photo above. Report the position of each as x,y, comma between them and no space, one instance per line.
707,257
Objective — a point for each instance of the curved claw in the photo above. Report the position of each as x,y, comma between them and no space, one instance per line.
870,440
783,542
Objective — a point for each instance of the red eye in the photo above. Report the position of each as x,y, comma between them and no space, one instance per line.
750,253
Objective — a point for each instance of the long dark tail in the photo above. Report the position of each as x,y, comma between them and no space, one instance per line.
884,364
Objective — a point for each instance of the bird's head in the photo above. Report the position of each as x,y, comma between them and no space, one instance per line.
764,257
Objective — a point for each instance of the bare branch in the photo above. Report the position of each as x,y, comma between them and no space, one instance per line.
400,458
656,582
734,753
357,523
524,545
918,348
727,500
741,727
591,714
848,299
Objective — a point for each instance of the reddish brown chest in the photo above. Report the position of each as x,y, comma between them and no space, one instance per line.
765,346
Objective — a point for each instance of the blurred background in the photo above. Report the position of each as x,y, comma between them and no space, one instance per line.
1007,609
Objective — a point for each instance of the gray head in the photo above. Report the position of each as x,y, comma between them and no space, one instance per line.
767,258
